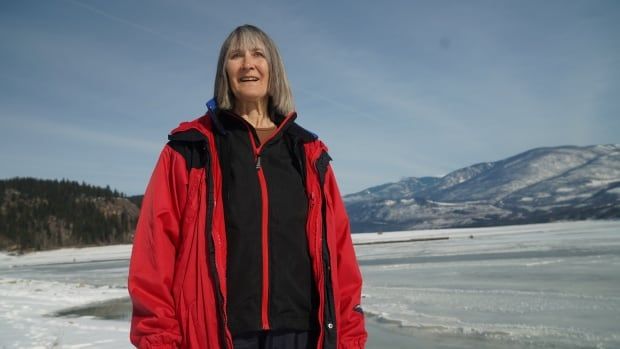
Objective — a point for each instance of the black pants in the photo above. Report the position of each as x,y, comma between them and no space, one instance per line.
279,339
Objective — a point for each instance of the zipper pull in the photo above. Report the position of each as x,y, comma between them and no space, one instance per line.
258,162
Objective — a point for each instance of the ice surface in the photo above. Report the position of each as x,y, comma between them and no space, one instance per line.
531,286
25,306
535,286
67,255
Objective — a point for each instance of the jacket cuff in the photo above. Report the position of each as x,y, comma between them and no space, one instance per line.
160,346
158,342
354,343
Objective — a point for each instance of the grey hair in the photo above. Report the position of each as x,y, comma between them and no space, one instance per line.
278,88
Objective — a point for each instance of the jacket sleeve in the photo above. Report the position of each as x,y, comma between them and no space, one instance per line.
151,271
352,332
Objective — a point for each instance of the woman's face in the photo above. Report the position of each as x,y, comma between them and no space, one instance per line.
248,74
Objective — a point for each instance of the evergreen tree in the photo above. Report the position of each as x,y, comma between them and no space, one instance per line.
43,214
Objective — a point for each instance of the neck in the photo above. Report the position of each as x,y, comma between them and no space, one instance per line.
255,113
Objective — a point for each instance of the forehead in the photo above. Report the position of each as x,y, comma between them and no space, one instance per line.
246,41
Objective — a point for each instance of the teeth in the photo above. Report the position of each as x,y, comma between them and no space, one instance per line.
249,79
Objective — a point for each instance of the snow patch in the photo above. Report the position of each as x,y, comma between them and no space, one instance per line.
438,203
572,197
25,321
599,183
67,255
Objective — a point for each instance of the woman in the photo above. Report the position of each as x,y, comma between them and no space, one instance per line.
243,240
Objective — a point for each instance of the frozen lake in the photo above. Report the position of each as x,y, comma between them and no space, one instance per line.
535,286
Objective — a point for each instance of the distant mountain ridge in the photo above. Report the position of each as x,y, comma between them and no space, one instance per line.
539,185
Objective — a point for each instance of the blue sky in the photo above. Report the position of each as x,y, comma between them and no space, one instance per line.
90,89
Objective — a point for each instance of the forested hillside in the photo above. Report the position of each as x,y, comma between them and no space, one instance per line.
40,214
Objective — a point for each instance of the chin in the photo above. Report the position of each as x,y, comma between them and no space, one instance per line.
251,97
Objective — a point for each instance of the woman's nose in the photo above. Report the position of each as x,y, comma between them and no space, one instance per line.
248,62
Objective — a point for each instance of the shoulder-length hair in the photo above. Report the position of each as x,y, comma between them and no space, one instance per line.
248,37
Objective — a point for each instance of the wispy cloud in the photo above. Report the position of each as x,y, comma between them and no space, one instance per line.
51,129
140,27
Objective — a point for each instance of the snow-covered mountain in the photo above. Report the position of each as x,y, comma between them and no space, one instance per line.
539,185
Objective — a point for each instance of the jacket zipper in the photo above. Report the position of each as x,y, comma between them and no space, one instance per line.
329,323
264,225
265,243
264,218
211,257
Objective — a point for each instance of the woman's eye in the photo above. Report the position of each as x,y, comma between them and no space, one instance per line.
259,54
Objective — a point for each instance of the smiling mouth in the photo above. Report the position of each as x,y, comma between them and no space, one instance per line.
248,79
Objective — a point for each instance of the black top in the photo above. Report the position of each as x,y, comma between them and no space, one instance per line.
292,294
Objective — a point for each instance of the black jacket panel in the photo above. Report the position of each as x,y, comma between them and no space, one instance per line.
242,212
292,293
291,281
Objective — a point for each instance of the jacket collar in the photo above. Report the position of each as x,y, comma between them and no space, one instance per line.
198,130
291,127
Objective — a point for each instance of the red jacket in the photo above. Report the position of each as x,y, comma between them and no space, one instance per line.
177,273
